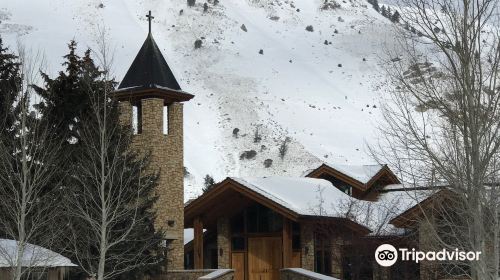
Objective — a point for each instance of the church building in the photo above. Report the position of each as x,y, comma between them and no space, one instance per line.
256,226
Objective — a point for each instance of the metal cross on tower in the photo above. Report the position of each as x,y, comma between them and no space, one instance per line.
150,18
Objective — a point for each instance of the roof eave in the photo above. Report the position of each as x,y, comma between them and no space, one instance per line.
142,92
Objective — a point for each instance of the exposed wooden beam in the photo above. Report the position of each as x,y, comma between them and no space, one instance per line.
287,243
198,243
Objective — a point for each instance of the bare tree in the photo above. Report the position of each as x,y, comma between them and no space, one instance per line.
110,206
28,192
442,124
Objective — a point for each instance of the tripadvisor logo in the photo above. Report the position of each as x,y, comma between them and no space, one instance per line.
386,255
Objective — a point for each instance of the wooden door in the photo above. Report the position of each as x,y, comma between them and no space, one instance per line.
238,264
264,258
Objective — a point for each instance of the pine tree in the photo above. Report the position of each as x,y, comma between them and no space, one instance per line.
395,17
209,183
383,11
65,102
375,5
10,80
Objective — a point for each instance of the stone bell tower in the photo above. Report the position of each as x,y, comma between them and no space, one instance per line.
150,100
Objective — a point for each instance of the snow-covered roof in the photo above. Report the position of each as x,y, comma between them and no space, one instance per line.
362,173
376,215
304,196
33,256
318,197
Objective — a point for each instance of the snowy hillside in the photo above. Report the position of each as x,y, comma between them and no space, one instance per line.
320,88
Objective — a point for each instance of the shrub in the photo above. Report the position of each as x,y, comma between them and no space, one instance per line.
235,132
248,154
205,7
268,162
191,3
284,147
256,136
198,43
310,28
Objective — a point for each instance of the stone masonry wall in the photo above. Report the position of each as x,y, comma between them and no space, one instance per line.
336,251
223,242
307,246
166,155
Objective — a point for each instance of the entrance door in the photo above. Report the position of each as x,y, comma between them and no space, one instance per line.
264,258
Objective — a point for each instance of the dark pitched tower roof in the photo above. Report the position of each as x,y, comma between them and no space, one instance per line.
149,69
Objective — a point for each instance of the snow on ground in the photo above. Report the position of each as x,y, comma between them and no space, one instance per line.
324,97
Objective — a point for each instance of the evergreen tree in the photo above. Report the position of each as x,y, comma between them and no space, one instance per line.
10,81
395,17
65,102
383,11
376,5
209,183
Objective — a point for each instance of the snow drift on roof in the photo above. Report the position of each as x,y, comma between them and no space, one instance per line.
376,215
34,256
318,197
304,196
362,173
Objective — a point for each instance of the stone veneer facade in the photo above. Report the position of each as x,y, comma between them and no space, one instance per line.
307,246
223,242
166,155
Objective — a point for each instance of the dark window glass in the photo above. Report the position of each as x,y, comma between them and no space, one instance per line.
252,219
322,255
214,264
261,219
238,243
238,224
296,242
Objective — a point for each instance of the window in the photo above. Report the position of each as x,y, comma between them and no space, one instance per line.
322,255
165,120
238,243
261,219
238,224
296,236
137,118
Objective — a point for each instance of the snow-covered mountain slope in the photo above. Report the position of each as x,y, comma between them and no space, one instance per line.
319,88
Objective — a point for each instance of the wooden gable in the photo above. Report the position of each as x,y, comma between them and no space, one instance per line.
411,216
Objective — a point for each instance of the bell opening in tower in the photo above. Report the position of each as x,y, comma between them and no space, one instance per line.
165,120
137,118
